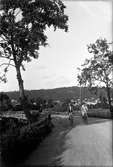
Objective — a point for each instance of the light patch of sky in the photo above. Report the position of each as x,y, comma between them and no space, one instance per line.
18,15
57,63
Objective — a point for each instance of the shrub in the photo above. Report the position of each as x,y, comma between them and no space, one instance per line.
101,113
22,137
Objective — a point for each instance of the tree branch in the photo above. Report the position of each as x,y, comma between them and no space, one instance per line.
110,42
3,39
7,64
3,78
5,57
4,34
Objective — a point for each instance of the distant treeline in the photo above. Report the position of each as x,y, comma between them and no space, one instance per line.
60,93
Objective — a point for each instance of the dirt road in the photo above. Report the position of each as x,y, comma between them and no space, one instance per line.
80,145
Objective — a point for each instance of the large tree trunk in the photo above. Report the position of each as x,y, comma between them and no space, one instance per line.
23,98
109,99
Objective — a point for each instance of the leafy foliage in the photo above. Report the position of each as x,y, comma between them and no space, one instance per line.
98,69
22,28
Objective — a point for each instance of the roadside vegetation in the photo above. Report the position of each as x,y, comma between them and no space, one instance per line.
97,71
22,32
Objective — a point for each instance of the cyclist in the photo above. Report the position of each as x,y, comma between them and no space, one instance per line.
70,113
84,110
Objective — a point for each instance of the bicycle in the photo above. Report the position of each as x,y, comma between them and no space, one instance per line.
85,117
71,119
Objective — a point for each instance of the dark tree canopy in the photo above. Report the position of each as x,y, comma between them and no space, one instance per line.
23,24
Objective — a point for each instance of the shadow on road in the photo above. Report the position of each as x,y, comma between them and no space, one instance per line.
96,120
62,128
51,150
78,121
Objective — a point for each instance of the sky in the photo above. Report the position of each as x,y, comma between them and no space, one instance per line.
57,63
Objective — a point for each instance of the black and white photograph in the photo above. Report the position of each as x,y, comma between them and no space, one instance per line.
56,83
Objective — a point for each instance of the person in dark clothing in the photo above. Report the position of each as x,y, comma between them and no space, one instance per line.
70,113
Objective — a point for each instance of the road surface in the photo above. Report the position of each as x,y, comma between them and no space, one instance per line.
80,145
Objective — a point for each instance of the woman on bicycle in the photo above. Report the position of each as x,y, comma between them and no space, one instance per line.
84,110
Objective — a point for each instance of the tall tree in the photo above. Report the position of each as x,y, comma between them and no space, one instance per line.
98,70
22,32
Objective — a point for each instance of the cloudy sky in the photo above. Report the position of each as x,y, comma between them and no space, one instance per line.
57,63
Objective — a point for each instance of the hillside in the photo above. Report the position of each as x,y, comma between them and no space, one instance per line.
57,93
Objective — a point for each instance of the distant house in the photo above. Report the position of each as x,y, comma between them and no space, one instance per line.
57,102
